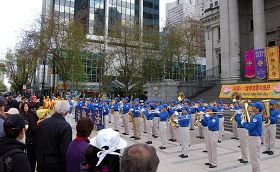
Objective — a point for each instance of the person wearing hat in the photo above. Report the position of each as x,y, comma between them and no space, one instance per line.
234,125
242,133
171,129
254,128
157,108
106,111
212,121
184,123
103,154
163,116
125,111
270,130
136,110
3,104
200,109
116,107
12,149
192,112
220,108
149,116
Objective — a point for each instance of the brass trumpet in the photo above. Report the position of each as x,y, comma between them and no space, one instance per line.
246,116
266,111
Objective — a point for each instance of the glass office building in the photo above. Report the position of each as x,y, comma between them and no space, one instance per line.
99,18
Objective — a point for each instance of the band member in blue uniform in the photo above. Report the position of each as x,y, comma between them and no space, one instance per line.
192,111
171,129
254,128
149,116
270,130
116,113
125,111
136,110
212,121
220,108
106,111
200,108
234,125
163,116
243,135
156,108
184,123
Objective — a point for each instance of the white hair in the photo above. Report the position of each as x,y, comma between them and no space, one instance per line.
62,107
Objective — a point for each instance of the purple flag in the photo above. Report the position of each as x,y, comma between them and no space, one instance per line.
260,63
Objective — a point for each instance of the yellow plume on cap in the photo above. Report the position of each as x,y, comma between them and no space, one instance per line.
41,113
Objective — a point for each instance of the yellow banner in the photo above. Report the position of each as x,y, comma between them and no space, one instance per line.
256,90
272,58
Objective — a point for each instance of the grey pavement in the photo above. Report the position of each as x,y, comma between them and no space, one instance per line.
228,153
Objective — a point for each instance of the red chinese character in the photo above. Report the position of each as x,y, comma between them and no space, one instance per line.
264,87
261,87
257,87
268,87
250,88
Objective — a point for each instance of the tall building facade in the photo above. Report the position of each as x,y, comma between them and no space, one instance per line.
99,18
178,11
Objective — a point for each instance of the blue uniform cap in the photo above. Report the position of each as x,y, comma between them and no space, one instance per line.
137,100
187,100
272,102
164,106
236,107
213,108
185,108
257,105
116,98
201,101
126,98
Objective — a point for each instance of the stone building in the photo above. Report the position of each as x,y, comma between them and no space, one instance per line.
234,26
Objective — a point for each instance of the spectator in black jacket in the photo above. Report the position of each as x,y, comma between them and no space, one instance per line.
11,149
3,103
53,136
32,120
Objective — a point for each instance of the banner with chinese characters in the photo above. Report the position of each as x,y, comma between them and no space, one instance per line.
250,63
272,58
255,90
260,63
95,115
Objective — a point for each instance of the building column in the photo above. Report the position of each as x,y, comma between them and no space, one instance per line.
230,41
259,24
234,38
224,24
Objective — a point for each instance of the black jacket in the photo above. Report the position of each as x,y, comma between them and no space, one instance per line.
19,161
53,136
32,120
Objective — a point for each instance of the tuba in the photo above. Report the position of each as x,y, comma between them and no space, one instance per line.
181,97
266,111
173,120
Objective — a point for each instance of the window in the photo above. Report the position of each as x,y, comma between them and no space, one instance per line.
211,5
219,33
216,3
271,43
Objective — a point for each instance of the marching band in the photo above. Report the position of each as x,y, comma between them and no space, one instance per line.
250,120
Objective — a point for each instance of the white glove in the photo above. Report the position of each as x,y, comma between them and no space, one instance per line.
242,122
207,115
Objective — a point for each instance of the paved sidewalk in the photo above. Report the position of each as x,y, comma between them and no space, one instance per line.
228,153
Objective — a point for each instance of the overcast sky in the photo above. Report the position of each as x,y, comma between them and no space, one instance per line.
16,15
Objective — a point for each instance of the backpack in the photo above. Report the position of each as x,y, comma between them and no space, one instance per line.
6,164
